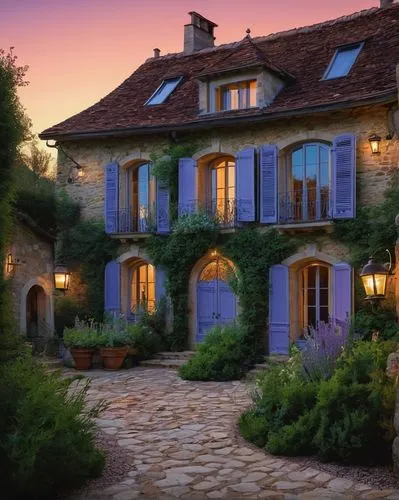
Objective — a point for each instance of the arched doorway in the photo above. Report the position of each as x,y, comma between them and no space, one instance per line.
36,325
216,302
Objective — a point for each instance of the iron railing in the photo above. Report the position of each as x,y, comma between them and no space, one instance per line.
304,205
223,211
128,222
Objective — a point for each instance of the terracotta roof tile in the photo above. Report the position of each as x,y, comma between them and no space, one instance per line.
304,53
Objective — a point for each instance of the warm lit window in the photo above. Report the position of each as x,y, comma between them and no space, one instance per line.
315,295
342,61
163,91
140,213
306,197
221,192
142,291
239,95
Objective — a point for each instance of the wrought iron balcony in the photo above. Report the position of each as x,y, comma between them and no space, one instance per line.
304,205
223,211
128,222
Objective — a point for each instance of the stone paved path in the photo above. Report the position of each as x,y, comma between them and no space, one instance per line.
184,444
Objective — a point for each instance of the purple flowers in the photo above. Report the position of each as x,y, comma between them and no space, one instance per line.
323,345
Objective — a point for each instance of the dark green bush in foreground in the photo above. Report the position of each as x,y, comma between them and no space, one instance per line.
347,418
222,356
46,435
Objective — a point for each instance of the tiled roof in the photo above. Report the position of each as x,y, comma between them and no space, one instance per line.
303,53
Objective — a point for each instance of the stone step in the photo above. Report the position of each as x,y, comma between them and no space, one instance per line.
163,363
50,364
184,355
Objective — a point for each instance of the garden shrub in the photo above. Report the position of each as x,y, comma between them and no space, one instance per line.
46,434
222,356
346,417
371,319
65,312
144,339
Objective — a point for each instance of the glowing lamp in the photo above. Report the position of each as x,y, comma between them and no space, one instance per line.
374,141
61,278
374,278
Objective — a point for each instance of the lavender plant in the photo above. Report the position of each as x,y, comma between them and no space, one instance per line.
323,346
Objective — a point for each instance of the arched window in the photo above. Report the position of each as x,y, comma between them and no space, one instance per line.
307,196
142,288
221,193
315,284
141,196
215,270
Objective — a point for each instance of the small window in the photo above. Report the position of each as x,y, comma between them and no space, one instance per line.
239,95
342,61
163,91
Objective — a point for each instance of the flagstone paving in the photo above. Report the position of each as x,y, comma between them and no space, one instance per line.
183,441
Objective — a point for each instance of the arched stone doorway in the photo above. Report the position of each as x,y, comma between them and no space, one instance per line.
211,299
36,314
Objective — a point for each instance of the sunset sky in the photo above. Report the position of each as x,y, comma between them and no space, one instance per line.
79,50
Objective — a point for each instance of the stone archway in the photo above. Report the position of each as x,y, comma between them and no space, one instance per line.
211,300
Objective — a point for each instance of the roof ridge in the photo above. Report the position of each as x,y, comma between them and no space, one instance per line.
289,32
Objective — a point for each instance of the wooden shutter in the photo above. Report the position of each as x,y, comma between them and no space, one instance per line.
160,279
112,285
111,204
279,310
344,176
245,185
342,291
187,186
268,165
163,218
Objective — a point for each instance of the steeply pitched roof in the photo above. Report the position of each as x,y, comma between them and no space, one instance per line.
304,53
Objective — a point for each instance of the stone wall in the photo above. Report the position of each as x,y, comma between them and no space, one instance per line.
34,256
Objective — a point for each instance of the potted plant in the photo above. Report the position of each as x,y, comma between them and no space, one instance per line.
113,346
82,340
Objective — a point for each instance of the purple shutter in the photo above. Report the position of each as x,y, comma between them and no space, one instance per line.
163,220
342,291
111,204
245,185
187,185
112,287
279,310
344,176
268,165
160,279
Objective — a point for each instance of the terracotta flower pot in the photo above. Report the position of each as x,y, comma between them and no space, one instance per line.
113,357
82,358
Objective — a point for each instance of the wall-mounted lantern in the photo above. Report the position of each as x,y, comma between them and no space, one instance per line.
374,141
61,278
374,277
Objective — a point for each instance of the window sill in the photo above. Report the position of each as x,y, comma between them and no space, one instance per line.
130,236
305,226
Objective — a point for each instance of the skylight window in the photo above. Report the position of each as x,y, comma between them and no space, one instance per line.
342,61
163,91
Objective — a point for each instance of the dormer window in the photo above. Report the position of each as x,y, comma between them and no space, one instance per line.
238,95
342,61
164,91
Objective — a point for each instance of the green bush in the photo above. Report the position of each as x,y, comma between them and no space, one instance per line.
46,435
144,339
66,310
82,336
369,320
346,418
222,356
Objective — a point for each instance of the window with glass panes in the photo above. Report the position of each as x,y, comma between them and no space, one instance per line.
307,196
222,189
239,95
142,198
315,293
142,291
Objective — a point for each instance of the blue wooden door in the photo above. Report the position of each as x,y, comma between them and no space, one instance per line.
216,303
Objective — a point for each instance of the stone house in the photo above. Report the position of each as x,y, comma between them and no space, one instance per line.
284,122
29,271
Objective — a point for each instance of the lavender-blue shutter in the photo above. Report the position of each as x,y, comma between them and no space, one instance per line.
111,204
245,185
268,165
160,279
279,310
344,176
112,287
187,185
163,219
342,291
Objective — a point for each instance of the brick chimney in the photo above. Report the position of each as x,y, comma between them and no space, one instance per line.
387,3
198,34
